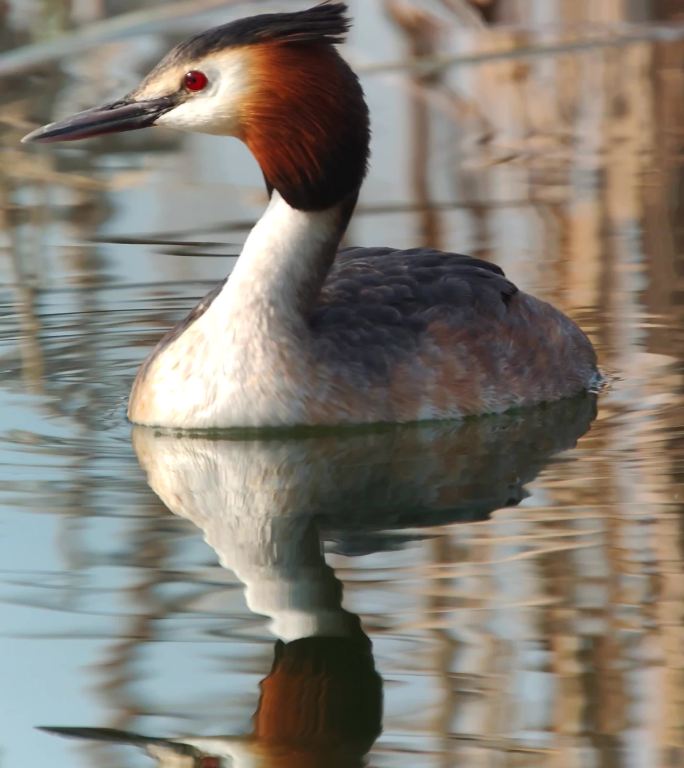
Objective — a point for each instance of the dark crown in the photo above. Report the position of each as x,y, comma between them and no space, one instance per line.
325,23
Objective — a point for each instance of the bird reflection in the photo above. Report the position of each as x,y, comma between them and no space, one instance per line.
320,706
266,503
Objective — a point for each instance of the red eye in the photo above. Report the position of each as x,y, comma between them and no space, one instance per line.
195,80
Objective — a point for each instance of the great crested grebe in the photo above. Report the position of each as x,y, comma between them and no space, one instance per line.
301,333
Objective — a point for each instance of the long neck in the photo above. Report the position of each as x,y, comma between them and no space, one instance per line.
284,262
306,123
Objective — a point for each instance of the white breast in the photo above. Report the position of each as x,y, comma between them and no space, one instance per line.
247,360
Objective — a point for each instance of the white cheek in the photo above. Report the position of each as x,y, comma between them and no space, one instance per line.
206,114
217,109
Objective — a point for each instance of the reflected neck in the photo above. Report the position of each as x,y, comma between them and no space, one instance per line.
280,562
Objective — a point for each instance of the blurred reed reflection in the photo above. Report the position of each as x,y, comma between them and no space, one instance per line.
266,504
553,635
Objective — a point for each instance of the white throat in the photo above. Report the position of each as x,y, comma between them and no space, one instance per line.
244,361
283,263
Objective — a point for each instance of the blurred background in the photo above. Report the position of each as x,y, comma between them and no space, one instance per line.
544,135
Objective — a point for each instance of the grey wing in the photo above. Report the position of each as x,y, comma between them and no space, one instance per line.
376,303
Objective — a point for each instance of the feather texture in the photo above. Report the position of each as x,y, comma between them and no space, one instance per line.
325,23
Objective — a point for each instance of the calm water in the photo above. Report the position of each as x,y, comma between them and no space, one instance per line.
504,592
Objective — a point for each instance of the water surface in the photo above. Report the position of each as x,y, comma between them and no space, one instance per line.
511,588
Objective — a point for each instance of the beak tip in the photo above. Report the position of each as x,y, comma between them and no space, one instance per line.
35,136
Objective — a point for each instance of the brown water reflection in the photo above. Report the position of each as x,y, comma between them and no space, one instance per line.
551,634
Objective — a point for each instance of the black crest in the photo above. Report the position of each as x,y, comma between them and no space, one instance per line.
325,23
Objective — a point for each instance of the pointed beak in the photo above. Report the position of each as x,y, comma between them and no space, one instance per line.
123,115
114,736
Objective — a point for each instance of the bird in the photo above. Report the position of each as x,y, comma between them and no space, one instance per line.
302,333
